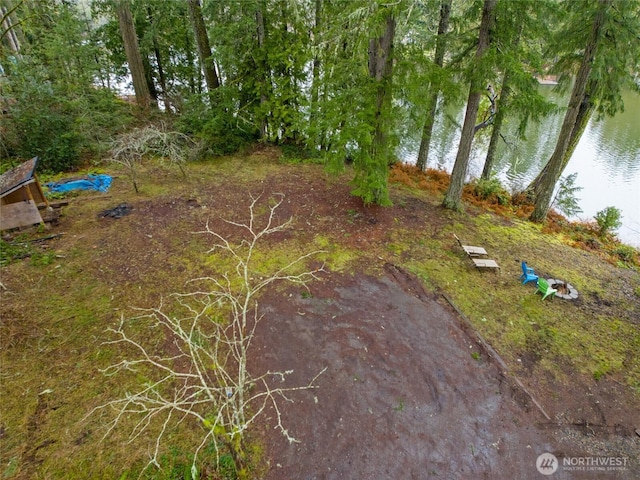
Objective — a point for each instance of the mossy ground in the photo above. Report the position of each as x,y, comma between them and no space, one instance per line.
55,312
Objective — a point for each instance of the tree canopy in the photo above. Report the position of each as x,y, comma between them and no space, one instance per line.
347,80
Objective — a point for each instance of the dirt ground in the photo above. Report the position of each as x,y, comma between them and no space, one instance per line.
402,396
408,391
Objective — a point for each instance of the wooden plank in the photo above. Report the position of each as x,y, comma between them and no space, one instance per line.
57,204
49,215
19,214
485,263
470,249
474,251
38,192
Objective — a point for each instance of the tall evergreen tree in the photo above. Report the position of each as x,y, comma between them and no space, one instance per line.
454,193
315,136
371,168
204,47
339,78
262,49
54,109
263,80
521,31
165,44
357,80
160,66
611,54
427,129
132,50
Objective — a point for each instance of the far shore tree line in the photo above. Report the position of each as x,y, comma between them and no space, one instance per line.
343,79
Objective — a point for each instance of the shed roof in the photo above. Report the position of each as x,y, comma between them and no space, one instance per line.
17,176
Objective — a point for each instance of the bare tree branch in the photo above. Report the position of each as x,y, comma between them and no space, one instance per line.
491,113
129,149
205,377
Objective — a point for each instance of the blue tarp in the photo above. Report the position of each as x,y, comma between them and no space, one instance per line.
101,183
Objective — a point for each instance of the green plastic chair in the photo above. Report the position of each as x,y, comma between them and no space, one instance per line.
545,289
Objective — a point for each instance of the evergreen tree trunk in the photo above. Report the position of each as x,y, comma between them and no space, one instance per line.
262,73
204,47
315,85
132,51
195,72
497,127
454,193
557,162
501,105
381,69
161,78
427,130
288,90
371,177
582,120
148,75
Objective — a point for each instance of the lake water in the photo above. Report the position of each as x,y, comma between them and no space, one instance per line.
607,159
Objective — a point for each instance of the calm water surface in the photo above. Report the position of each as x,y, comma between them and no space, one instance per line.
607,159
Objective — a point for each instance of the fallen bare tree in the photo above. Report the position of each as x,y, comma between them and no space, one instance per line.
128,149
202,372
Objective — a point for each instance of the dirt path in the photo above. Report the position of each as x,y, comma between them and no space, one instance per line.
405,394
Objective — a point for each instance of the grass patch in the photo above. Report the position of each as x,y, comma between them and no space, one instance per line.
337,258
514,319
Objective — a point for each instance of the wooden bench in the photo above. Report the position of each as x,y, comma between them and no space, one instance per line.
471,250
485,263
475,252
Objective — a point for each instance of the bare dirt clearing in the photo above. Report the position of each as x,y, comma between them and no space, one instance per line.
408,393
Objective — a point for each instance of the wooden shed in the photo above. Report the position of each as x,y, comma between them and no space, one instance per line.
20,196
